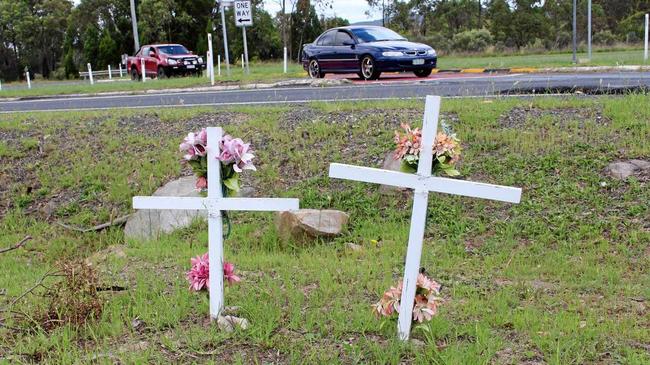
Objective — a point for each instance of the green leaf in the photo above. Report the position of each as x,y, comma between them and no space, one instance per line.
232,183
407,167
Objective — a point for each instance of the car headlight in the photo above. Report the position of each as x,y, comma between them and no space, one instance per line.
200,59
391,54
172,61
431,52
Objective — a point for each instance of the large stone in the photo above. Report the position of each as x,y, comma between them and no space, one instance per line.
390,163
150,224
623,169
307,224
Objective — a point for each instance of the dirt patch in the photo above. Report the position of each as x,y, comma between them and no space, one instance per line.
520,117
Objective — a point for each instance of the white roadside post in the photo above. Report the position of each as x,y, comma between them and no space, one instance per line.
29,82
90,74
215,203
219,64
121,74
222,5
110,75
143,69
243,19
647,27
0,85
285,60
207,62
589,28
211,60
422,183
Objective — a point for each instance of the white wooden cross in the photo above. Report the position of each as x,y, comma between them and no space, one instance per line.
422,183
214,204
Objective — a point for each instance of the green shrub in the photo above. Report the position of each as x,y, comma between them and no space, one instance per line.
605,37
476,40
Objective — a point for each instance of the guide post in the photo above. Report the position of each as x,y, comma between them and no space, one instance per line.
244,18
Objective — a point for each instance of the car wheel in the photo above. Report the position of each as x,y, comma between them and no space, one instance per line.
422,72
314,69
161,73
134,74
360,75
369,69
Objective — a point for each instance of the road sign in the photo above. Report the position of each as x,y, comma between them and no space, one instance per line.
243,13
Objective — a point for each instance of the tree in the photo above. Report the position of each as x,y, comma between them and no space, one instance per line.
71,38
107,50
91,46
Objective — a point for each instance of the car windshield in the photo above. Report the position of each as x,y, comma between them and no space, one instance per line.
376,34
173,50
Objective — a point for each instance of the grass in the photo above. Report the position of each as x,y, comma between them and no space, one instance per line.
560,278
267,72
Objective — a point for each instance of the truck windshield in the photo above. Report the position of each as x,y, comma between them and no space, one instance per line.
376,34
173,50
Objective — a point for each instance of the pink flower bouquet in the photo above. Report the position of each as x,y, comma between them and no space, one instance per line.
235,156
446,149
426,304
199,274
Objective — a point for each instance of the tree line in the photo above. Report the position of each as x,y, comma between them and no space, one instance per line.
55,38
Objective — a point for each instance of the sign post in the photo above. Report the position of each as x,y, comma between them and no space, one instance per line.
210,65
222,5
645,47
244,18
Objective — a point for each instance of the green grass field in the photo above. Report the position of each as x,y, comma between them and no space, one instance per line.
269,72
561,278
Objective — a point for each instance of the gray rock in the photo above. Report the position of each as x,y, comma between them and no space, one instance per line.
354,247
392,164
307,224
229,323
623,169
150,224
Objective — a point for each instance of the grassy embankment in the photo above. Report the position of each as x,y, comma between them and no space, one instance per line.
560,278
272,71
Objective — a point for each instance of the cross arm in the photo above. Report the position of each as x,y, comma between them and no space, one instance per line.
372,175
192,203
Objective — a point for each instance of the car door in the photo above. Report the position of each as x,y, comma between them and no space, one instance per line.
326,50
151,62
346,57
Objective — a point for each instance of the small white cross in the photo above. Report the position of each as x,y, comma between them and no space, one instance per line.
214,204
422,183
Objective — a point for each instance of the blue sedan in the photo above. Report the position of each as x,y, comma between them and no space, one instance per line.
367,51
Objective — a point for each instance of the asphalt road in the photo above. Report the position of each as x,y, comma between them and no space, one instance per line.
462,85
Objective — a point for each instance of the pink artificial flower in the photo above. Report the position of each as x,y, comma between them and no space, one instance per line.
235,151
427,284
201,183
229,273
421,311
194,144
199,274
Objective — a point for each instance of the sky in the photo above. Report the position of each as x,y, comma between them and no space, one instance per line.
352,10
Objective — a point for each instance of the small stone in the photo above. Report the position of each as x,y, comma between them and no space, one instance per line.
641,164
307,224
583,324
354,247
621,170
137,324
150,224
603,184
229,323
246,192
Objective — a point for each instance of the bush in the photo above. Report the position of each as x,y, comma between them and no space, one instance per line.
606,38
563,39
438,41
476,40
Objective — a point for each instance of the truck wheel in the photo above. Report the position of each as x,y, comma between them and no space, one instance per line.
161,73
134,74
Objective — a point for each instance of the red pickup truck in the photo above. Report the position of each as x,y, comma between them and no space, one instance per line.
164,60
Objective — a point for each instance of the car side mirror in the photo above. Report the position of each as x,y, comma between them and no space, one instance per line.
349,43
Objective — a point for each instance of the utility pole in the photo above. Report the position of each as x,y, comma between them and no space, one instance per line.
589,28
575,31
134,22
225,36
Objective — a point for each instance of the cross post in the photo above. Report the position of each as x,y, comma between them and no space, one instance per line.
422,183
214,203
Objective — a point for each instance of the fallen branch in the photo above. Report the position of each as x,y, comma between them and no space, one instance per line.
17,245
117,222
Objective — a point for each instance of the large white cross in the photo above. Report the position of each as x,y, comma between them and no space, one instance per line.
422,183
214,204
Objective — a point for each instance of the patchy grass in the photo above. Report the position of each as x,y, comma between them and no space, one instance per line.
560,278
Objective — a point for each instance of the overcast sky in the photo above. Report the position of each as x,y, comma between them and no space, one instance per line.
352,10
